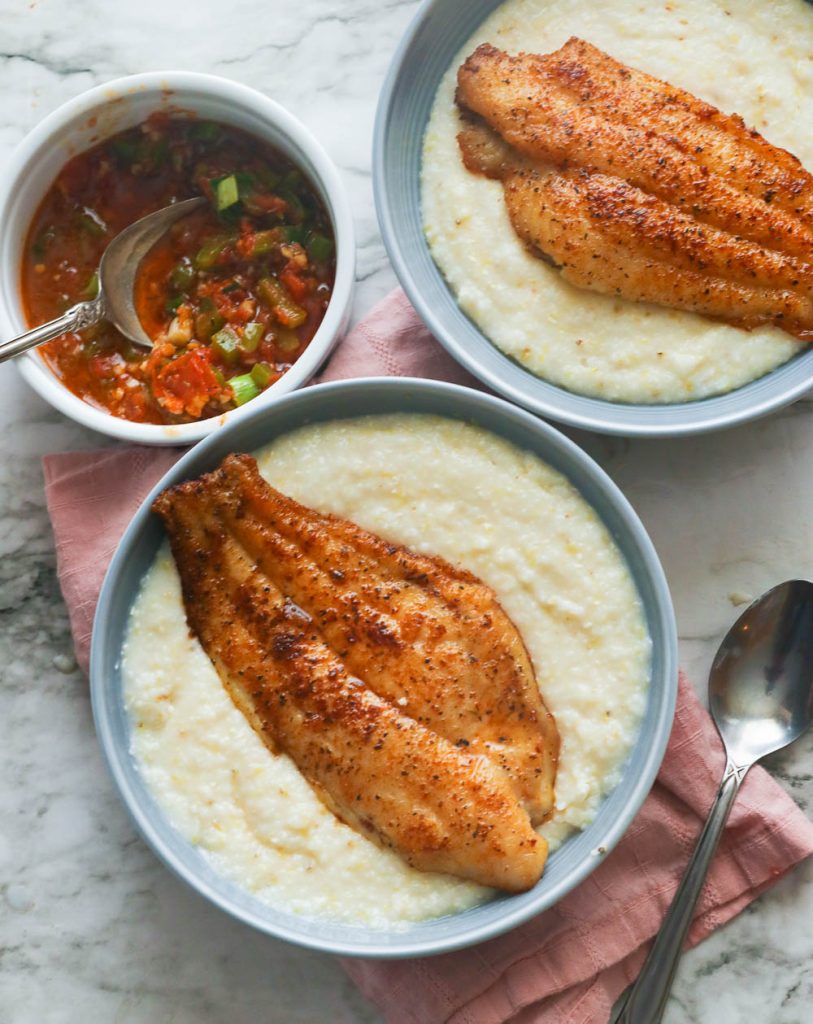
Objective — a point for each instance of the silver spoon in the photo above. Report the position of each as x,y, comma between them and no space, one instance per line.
761,700
117,275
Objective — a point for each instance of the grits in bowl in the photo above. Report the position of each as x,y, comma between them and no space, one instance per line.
732,55
440,487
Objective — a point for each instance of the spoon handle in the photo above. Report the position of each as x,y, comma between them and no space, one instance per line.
645,1000
83,314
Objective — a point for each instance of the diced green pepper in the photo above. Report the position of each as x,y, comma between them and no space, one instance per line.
266,241
295,233
274,295
182,275
286,340
252,336
211,251
290,314
206,324
245,181
270,291
226,344
91,289
320,247
208,320
226,192
261,374
173,302
243,388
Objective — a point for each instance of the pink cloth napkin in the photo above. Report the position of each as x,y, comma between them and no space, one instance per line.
568,965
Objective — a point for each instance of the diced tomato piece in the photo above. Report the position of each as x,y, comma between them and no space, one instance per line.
294,283
186,384
134,405
270,203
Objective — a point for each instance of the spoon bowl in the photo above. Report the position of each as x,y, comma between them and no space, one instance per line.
761,681
118,271
120,264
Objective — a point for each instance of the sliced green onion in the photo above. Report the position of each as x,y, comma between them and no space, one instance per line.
226,192
252,336
320,247
91,289
261,374
226,344
243,388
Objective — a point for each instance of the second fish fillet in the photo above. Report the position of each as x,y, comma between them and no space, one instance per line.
634,188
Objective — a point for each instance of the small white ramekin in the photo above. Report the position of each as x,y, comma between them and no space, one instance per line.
110,108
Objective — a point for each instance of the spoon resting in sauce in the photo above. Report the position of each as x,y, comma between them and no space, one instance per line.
118,272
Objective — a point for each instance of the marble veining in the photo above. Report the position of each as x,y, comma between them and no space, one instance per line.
92,927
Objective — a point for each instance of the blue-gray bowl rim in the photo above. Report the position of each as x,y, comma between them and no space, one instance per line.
352,398
470,347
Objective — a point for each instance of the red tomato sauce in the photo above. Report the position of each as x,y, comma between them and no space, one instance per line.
231,296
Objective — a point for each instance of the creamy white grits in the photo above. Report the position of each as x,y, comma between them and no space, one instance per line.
441,487
744,56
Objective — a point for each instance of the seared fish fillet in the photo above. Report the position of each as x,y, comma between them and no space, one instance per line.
420,632
639,189
398,782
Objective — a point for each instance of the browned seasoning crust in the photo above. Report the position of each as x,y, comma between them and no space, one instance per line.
319,629
635,188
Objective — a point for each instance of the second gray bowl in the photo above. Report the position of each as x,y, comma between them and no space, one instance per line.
436,35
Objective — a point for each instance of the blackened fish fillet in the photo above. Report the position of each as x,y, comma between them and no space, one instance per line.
441,806
419,631
638,189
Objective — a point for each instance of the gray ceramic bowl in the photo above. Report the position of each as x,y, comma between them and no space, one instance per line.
439,30
575,859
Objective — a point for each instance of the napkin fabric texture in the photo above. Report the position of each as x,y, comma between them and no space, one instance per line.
567,965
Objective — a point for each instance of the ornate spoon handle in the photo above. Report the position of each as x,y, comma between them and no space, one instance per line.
83,314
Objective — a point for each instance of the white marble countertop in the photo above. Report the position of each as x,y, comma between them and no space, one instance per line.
92,927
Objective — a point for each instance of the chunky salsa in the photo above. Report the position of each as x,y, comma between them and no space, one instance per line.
231,296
